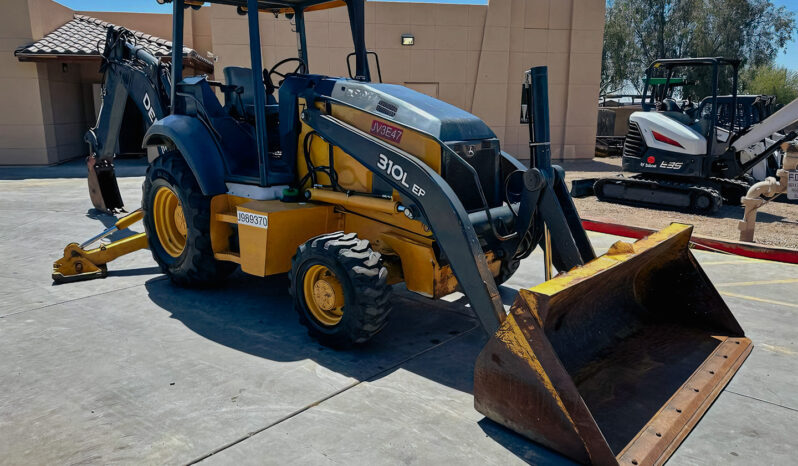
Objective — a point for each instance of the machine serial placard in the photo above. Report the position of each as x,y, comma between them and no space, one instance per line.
792,184
255,220
386,131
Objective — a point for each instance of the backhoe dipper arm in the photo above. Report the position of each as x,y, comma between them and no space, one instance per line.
436,203
130,71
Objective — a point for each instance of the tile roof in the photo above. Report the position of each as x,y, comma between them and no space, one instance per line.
85,36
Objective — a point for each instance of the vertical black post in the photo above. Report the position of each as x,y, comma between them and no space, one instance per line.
646,106
714,120
357,21
302,46
667,86
734,97
571,245
540,137
260,91
177,49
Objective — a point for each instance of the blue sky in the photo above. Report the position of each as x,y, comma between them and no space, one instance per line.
788,58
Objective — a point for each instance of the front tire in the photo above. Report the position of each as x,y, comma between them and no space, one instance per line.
339,289
177,221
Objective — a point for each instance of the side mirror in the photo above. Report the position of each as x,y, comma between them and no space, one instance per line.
368,53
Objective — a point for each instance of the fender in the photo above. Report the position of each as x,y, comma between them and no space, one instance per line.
195,143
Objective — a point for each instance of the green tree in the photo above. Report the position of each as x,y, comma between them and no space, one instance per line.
639,31
771,80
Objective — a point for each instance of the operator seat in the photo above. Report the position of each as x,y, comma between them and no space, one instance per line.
243,104
671,105
672,110
242,77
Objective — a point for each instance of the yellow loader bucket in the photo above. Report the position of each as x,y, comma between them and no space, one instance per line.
616,361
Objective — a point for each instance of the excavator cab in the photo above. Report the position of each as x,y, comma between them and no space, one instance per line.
358,185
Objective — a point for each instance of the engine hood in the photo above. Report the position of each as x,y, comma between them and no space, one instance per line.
413,109
692,142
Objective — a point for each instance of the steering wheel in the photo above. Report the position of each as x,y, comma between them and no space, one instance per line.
301,67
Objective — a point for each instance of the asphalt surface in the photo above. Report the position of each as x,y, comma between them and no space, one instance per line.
132,369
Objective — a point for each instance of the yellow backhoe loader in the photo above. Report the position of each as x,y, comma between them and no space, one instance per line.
349,186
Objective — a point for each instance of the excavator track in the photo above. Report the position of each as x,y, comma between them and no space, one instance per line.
659,193
732,190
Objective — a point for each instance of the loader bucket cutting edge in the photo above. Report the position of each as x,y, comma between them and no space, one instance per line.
616,361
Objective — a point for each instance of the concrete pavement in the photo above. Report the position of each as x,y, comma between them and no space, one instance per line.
132,369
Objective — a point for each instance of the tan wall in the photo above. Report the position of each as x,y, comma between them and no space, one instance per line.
48,106
28,130
472,56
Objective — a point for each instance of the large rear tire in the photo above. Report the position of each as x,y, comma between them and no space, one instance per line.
339,289
177,222
507,269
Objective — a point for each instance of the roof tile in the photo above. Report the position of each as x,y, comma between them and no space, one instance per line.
84,35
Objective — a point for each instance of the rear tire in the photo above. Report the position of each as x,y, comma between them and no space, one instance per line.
184,254
506,270
333,265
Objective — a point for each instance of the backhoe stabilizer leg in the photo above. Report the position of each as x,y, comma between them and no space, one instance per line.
79,263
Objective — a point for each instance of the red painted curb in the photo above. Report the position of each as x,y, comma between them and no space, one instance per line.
740,248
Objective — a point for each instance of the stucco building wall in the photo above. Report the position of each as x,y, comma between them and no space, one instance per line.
47,107
472,56
28,124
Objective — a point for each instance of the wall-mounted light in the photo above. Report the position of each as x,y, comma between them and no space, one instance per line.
408,39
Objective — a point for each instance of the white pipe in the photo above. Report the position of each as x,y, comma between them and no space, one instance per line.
761,193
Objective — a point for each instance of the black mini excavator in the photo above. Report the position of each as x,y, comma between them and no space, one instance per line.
349,186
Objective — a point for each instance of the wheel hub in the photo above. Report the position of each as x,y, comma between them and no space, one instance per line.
324,295
180,221
170,221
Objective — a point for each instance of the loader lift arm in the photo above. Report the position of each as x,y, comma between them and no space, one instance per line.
431,199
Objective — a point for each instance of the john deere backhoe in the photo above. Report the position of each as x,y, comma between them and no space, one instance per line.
349,186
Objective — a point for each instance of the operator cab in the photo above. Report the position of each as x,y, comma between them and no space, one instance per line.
251,130
704,117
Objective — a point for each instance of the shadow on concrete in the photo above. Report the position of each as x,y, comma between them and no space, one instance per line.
736,212
134,272
594,165
437,340
108,221
76,168
518,445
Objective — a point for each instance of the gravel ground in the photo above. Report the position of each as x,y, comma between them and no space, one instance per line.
777,222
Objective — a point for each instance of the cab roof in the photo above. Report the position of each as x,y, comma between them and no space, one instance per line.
282,6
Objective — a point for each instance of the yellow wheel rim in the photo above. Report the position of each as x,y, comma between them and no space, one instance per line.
324,295
170,223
